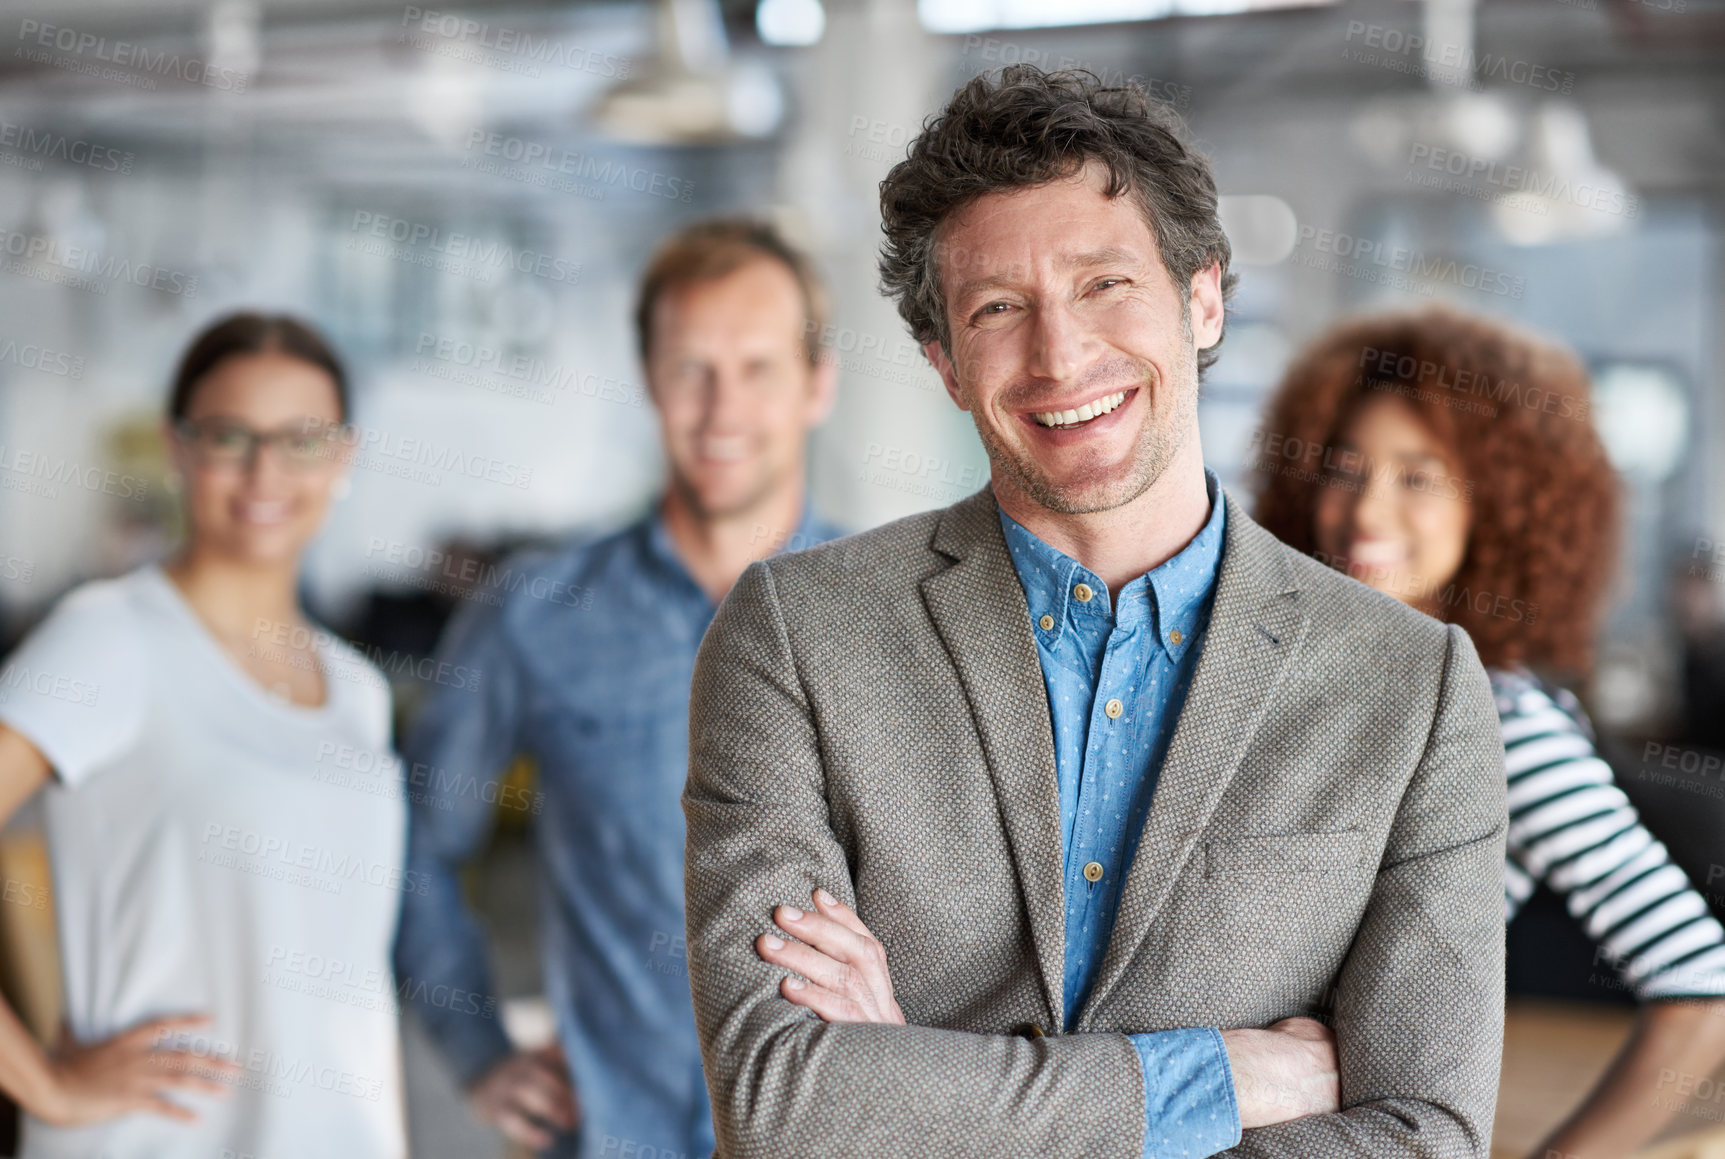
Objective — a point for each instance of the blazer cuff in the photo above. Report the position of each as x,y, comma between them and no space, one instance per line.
1189,1107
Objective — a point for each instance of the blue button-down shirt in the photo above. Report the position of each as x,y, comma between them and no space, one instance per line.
581,659
1117,674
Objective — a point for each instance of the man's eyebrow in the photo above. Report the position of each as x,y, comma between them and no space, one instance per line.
1107,255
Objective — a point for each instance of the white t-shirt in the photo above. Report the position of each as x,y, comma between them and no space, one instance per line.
219,850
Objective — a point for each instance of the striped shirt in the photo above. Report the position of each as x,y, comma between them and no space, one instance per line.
1572,829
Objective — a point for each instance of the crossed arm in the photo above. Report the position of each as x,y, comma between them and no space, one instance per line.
782,1083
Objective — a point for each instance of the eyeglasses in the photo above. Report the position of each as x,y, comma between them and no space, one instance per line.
225,443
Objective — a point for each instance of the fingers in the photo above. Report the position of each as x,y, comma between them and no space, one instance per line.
830,1006
836,941
519,1128
810,963
157,1028
168,1110
543,1094
831,907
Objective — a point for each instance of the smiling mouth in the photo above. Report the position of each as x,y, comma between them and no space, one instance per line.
1077,417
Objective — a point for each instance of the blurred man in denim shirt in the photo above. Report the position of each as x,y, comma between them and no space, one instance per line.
586,666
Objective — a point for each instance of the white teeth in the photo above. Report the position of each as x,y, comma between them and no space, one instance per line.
1083,414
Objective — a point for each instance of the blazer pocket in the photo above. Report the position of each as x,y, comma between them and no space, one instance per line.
1282,853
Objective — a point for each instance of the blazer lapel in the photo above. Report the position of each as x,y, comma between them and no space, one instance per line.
1256,623
979,610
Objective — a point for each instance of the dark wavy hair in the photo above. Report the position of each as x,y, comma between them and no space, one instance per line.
1025,127
1514,413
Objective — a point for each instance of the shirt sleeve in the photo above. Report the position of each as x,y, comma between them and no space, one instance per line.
462,736
1573,829
76,687
1189,1107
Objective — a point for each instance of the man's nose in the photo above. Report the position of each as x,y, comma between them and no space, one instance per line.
1060,343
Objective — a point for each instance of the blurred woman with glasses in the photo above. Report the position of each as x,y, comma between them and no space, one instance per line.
1451,462
226,899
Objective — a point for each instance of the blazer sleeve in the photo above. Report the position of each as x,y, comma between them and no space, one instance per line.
784,1083
1419,1000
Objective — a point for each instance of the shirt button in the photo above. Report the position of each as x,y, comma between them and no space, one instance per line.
1093,872
1113,708
1175,637
1083,593
1047,623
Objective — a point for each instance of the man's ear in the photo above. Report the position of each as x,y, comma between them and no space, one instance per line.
936,355
1207,306
823,387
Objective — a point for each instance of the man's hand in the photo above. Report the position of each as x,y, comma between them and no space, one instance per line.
1285,1072
527,1095
843,968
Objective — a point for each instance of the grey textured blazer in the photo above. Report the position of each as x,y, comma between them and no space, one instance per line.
1326,836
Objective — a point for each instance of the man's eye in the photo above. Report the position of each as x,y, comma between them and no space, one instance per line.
1110,283
994,308
225,438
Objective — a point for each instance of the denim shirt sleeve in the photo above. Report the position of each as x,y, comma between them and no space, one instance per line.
460,735
1189,1107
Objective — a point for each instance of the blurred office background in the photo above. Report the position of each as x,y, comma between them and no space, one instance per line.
462,196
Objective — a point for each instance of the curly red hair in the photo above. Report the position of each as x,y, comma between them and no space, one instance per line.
1513,413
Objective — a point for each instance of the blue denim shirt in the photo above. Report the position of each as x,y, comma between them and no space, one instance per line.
1117,679
583,662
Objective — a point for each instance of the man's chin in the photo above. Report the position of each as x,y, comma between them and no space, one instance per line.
1084,494
712,501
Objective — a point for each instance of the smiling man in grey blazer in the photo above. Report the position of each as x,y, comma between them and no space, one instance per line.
1031,826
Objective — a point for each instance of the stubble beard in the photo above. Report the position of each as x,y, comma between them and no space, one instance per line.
1098,486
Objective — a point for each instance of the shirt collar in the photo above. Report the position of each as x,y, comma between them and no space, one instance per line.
1171,596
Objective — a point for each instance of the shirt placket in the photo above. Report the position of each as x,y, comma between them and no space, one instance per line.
1102,797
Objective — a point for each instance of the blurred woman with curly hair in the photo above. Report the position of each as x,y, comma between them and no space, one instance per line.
1450,461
